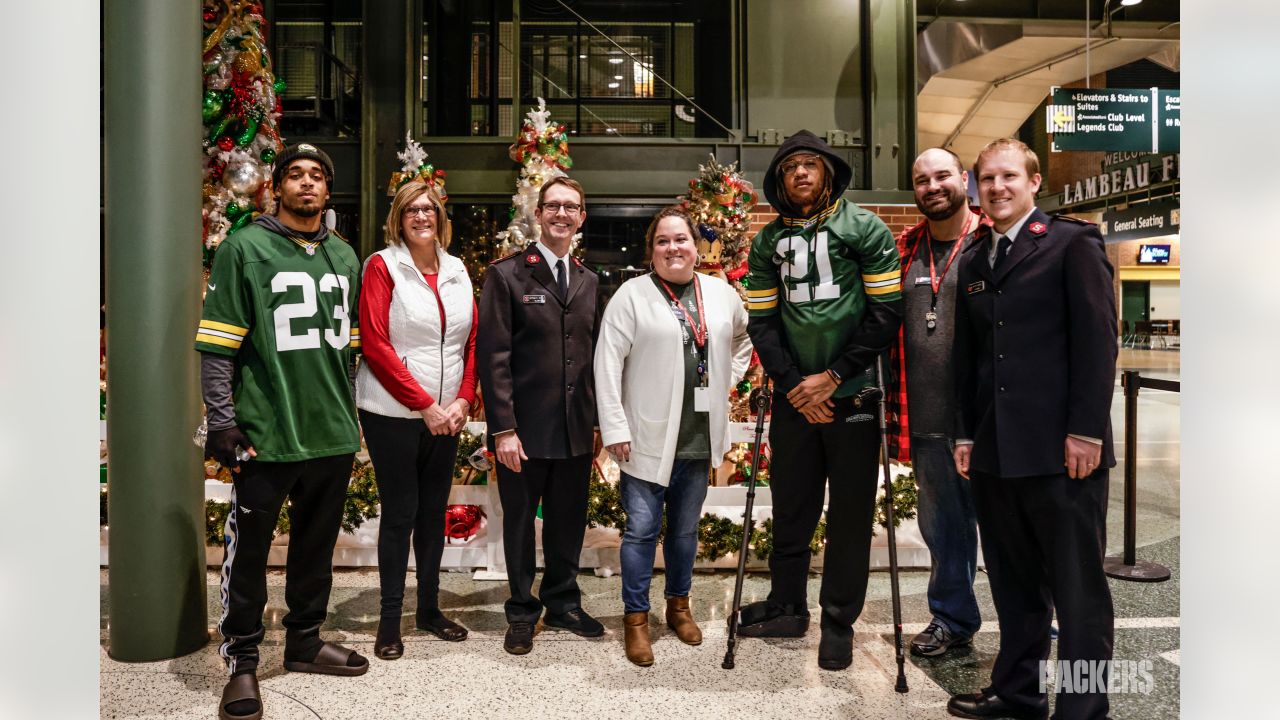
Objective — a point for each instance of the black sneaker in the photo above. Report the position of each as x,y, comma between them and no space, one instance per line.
519,639
770,619
835,650
576,621
936,640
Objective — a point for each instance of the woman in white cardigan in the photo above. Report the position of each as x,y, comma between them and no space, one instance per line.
671,345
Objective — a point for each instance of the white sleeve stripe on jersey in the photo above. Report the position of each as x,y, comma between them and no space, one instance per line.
218,333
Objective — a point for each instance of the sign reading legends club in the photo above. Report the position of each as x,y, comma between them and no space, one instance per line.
1147,120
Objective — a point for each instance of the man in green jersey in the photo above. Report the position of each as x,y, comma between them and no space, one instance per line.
824,300
277,336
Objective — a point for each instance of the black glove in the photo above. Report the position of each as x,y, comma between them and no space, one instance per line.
221,446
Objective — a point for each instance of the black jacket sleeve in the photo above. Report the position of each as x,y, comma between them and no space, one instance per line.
878,330
769,340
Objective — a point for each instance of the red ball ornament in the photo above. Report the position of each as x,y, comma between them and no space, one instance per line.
462,522
210,16
226,143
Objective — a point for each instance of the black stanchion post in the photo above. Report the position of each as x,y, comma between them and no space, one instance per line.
1129,567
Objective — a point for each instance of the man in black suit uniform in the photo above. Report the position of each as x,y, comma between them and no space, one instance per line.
1036,362
537,333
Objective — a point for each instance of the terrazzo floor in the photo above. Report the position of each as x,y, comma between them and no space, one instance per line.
570,677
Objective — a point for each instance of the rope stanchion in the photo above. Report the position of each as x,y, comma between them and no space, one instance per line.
1129,567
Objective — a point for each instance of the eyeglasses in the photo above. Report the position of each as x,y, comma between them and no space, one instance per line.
555,208
423,211
808,162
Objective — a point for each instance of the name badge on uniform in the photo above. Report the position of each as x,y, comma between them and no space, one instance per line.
922,280
977,287
701,399
535,299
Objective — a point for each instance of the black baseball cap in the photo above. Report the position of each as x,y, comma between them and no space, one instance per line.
301,151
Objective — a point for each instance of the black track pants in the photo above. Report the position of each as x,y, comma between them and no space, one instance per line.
805,456
317,491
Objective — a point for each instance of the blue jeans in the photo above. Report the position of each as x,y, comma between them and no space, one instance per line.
643,502
949,526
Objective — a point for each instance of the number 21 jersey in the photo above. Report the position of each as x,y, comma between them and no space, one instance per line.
821,272
289,319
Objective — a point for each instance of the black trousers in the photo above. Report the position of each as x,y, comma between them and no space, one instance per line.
316,490
805,456
414,472
561,486
1043,540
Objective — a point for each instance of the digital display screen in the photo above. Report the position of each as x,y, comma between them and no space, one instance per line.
1153,255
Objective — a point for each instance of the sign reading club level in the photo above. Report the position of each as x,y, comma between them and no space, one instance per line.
1147,120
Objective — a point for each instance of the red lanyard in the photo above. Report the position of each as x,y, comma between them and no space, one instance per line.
700,329
935,280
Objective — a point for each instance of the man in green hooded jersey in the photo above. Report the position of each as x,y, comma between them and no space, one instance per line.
824,300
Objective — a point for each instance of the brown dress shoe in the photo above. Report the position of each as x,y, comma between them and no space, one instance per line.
636,638
681,621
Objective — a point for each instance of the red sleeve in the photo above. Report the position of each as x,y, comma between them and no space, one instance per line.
468,390
375,304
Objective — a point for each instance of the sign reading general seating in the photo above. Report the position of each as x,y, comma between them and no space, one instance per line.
1141,221
1146,120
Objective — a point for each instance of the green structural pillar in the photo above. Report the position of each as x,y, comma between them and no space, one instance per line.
892,39
152,188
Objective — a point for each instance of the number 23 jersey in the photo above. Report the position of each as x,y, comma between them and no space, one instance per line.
821,272
289,319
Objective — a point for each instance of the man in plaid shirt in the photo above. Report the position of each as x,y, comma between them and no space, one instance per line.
923,354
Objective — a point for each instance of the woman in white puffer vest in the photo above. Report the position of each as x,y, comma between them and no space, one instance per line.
414,391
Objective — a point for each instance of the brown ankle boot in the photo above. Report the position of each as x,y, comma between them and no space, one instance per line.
681,620
636,638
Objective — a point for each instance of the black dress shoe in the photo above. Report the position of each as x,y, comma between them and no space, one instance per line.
441,626
936,640
770,619
576,621
519,639
987,704
835,650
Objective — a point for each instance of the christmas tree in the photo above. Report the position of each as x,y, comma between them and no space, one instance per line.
414,166
241,108
542,149
720,201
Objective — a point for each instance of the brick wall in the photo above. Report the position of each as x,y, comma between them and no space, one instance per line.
897,217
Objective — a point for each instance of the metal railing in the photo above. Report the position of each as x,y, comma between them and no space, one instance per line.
334,82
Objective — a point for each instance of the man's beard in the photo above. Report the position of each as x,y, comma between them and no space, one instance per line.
956,201
300,209
808,198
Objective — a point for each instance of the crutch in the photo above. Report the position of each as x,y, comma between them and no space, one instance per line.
763,395
901,684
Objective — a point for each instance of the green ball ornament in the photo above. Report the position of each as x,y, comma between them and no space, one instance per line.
211,106
744,387
268,156
278,86
233,211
